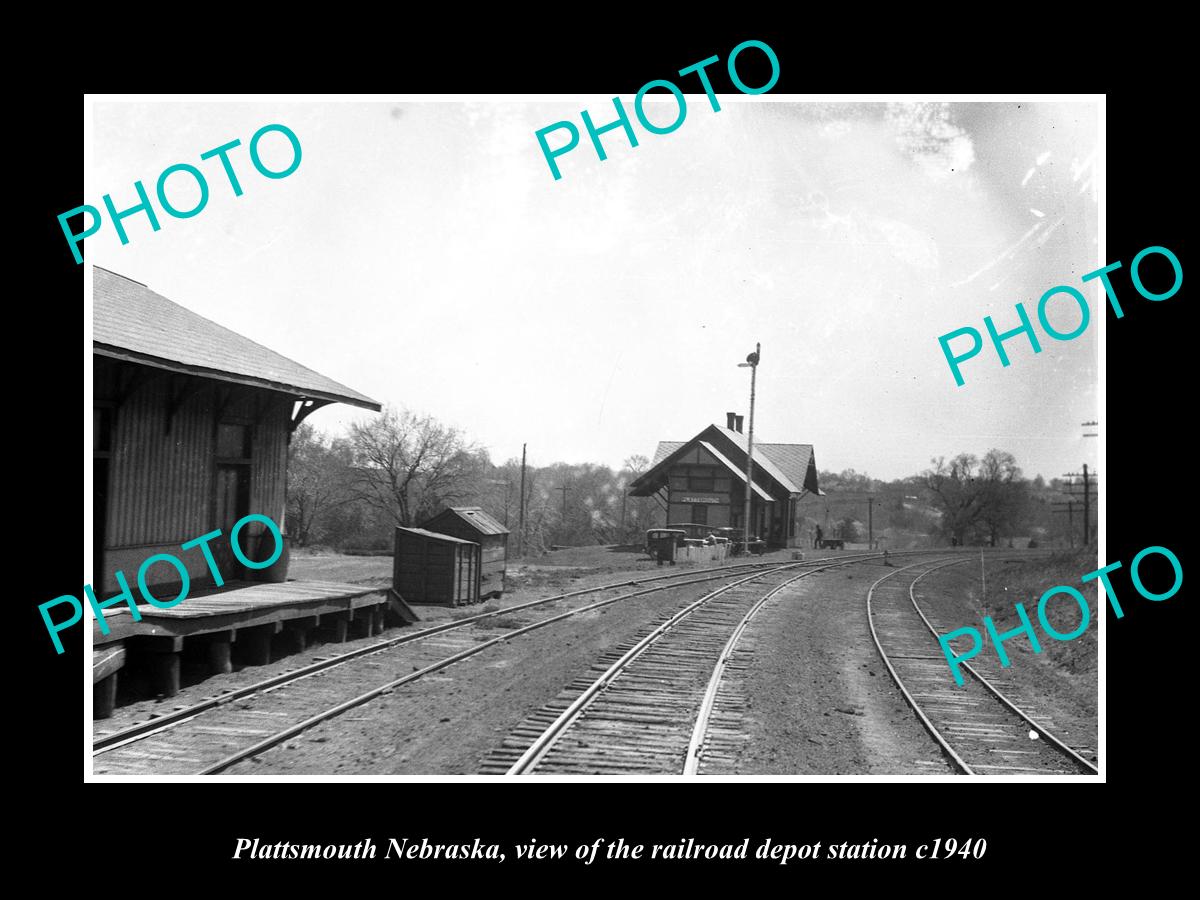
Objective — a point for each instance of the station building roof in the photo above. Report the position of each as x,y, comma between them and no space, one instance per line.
131,322
791,466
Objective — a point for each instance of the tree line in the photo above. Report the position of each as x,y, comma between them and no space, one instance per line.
402,468
966,499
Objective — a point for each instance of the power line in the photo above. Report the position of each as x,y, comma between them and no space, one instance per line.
1087,496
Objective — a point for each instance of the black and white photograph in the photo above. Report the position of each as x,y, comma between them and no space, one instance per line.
530,436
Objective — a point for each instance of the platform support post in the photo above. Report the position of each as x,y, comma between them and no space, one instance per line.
164,672
104,696
334,629
294,639
362,624
219,654
256,645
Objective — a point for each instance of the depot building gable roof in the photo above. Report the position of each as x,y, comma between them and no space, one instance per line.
131,322
792,466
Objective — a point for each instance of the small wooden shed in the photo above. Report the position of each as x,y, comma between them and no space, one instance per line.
435,568
470,523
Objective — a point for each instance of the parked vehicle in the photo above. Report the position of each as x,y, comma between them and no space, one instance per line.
661,543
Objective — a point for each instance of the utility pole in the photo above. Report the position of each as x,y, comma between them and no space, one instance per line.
1087,517
1087,500
564,493
982,583
870,523
521,536
983,604
624,496
1070,505
1071,521
751,362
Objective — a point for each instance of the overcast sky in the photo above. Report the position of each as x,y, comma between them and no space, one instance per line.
423,254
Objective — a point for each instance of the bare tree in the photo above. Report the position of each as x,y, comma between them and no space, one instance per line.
411,466
952,486
318,481
1005,494
978,497
641,511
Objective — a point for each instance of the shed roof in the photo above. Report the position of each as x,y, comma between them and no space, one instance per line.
433,535
133,323
473,516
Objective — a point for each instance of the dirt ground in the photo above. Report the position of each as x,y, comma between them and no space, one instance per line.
525,583
445,723
527,579
821,702
597,559
336,567
1062,681
820,699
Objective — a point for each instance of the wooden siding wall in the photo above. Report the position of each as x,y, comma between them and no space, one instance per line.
426,570
699,463
493,560
160,481
493,563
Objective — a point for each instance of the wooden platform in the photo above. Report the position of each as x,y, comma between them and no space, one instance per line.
244,606
264,621
107,660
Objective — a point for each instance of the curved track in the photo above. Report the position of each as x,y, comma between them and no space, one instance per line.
979,729
636,714
209,736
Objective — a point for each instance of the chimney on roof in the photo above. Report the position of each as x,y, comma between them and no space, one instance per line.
731,421
740,419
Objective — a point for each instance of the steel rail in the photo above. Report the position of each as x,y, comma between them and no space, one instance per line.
293,730
696,745
542,744
388,687
958,761
177,717
1044,732
691,762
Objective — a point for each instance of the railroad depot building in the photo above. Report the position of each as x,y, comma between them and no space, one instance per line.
703,481
191,424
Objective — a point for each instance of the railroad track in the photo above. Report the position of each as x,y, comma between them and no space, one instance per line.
221,730
638,711
980,729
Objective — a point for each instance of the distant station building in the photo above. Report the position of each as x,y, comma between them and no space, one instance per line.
703,481
191,429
